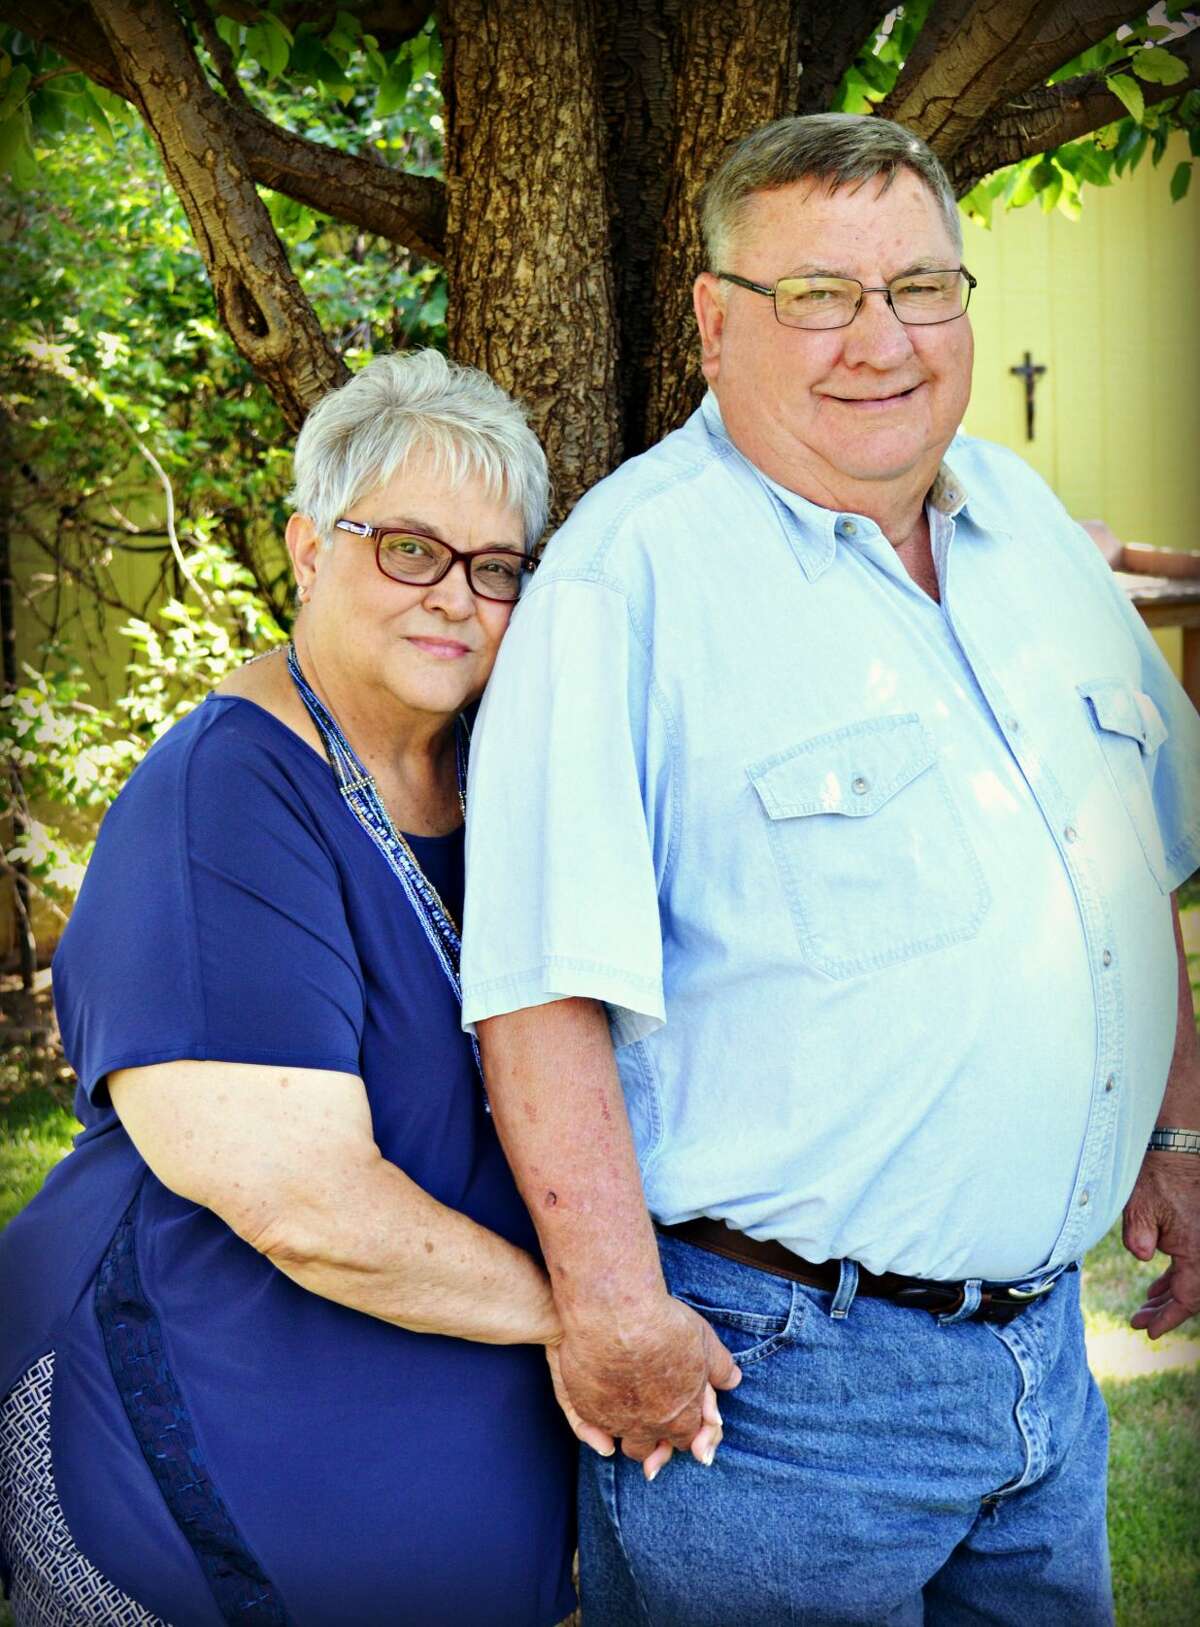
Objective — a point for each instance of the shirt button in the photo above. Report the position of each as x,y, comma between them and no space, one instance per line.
859,786
1071,834
1110,1082
849,529
1083,1199
1106,957
1011,724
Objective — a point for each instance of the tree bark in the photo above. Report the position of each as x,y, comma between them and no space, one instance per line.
258,298
942,96
527,247
1047,117
735,67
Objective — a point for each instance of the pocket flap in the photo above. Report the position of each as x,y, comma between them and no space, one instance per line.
1120,709
851,771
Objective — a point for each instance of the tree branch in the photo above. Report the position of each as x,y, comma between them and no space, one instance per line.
258,298
1053,114
947,87
222,56
405,209
1071,27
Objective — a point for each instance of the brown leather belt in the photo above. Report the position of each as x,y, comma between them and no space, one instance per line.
999,1301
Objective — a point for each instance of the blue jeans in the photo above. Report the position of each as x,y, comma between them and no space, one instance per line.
878,1466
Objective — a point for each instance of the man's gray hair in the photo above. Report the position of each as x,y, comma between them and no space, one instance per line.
828,149
357,437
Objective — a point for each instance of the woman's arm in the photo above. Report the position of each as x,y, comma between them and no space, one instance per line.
288,1160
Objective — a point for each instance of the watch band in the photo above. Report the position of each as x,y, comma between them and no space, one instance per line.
1174,1141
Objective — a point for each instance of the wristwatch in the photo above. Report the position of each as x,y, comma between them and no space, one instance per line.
1174,1141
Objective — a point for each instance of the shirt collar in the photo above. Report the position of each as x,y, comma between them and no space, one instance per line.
814,539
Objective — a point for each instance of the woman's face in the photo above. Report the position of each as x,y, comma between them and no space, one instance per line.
428,649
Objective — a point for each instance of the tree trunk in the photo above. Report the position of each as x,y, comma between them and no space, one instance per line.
527,222
735,68
258,298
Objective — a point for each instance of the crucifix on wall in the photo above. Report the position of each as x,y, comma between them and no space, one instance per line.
1030,372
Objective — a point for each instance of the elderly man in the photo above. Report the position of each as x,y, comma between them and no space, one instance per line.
833,799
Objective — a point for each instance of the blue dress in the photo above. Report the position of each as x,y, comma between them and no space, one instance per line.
226,1445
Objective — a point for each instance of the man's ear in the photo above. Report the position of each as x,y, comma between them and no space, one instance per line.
304,549
708,299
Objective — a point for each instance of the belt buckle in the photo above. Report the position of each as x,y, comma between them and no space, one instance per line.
1023,1295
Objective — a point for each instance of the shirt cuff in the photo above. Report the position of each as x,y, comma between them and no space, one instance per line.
635,1004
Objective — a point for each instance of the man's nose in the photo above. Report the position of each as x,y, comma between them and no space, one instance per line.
876,336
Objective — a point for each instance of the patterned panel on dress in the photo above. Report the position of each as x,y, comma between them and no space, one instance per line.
53,1584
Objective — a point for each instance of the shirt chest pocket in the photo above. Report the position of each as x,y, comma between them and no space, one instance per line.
872,853
1129,731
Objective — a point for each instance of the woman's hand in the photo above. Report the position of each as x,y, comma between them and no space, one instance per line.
590,1434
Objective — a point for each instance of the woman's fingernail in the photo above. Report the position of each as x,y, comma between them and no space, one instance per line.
720,1420
708,1457
652,1476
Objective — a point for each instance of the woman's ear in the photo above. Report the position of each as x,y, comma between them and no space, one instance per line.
304,549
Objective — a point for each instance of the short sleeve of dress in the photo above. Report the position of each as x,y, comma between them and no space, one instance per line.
210,925
568,816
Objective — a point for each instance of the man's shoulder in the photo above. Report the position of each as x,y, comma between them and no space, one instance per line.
664,490
998,482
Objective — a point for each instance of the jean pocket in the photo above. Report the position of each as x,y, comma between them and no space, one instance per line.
1129,730
749,1336
872,852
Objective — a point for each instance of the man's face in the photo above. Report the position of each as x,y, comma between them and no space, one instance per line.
824,412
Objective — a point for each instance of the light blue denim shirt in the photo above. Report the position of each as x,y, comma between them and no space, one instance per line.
875,888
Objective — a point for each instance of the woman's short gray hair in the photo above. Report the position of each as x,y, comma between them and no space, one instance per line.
357,437
830,149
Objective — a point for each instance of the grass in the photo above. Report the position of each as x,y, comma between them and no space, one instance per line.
1152,1391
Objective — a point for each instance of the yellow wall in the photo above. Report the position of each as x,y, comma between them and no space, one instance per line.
1110,304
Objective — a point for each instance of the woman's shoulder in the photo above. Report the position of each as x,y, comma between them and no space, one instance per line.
230,740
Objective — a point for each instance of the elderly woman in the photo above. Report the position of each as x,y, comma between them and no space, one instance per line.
273,1329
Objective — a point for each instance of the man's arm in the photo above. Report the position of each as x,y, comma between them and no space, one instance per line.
634,1361
1163,1211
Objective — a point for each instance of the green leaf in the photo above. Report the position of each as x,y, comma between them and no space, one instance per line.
16,153
1049,194
1156,67
15,87
1194,141
230,32
96,116
394,88
1181,180
269,45
1129,93
1021,188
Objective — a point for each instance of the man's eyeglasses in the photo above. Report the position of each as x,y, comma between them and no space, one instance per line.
420,561
920,299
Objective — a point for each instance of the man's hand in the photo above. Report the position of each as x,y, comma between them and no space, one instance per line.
652,1388
1163,1212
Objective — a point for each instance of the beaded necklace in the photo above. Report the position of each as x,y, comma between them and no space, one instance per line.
362,797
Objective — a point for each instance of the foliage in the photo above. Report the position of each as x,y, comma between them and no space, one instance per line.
73,756
1127,59
119,381
872,75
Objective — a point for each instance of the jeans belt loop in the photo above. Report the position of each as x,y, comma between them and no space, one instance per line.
847,1288
972,1295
